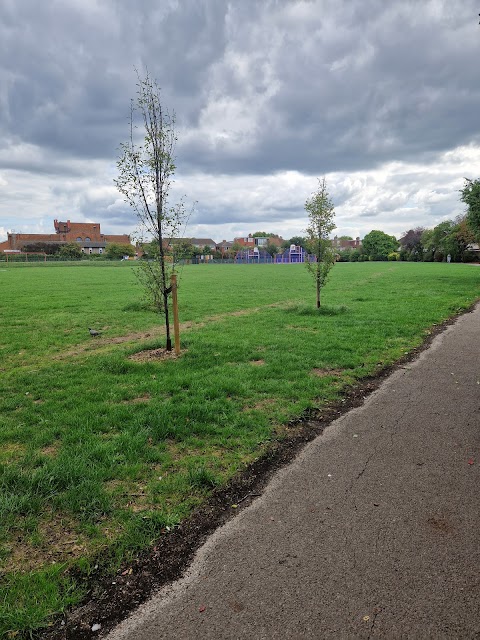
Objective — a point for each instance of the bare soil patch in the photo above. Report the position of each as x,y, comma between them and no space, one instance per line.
263,404
139,400
322,373
50,451
153,354
56,538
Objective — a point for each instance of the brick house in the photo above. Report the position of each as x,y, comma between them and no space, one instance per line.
200,243
346,244
250,241
224,245
86,234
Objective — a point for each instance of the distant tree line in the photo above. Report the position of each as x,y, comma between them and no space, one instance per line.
451,237
72,250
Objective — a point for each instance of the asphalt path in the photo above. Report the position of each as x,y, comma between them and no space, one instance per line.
371,532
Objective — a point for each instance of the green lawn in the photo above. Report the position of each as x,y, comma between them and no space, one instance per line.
100,453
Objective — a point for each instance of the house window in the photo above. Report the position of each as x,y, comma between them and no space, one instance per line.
87,240
79,239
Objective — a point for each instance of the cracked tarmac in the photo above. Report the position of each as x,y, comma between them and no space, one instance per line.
371,532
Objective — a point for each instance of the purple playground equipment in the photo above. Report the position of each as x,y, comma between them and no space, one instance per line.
255,255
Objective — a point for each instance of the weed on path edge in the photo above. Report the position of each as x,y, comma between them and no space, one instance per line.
110,599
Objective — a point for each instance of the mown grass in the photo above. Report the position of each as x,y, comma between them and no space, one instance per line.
100,454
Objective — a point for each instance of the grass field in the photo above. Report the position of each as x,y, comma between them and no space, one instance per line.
100,454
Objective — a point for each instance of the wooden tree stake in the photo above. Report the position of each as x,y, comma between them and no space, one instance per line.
176,324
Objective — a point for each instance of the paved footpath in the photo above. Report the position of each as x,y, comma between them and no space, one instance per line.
372,532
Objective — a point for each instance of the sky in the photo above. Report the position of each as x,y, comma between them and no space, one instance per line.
381,98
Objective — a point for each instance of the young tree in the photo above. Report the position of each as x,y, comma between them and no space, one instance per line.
320,216
471,197
145,171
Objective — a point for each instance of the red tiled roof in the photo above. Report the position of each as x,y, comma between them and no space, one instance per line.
120,239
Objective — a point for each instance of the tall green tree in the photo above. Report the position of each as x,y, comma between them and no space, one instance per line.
471,197
272,249
429,245
145,171
321,213
377,245
411,245
448,237
298,241
182,250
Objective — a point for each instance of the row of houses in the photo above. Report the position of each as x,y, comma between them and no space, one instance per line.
260,243
248,242
91,240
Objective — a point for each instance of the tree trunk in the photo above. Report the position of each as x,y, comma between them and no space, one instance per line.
167,323
318,294
164,286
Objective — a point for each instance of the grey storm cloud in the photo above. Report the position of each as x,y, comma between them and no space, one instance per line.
259,88
321,86
369,214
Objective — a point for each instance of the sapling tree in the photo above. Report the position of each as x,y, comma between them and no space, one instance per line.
145,171
320,217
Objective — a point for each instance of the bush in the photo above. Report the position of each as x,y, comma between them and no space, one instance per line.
355,255
393,256
70,251
116,251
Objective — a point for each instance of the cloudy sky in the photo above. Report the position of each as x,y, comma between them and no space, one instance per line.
382,98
